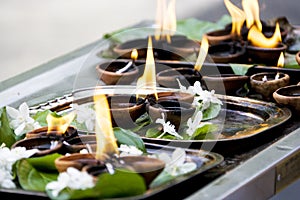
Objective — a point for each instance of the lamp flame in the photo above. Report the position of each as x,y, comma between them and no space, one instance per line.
280,62
251,9
148,79
202,53
257,38
238,17
59,123
134,54
106,141
165,20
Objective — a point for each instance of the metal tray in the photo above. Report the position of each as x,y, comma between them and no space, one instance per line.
245,120
178,184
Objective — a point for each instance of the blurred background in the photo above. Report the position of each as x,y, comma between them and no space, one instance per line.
36,31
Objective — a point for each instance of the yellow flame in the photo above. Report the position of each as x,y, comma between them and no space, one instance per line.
148,79
106,141
59,123
134,54
280,62
165,20
257,38
202,53
238,17
251,9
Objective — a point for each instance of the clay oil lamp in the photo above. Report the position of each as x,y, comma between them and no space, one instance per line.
57,127
229,52
266,83
187,76
49,139
119,72
263,50
229,34
227,84
106,158
289,96
124,108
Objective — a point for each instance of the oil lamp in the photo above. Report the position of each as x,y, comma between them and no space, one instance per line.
50,139
118,72
266,83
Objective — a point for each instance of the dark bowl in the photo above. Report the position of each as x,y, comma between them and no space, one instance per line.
289,96
107,73
176,112
219,36
267,56
186,76
227,52
125,110
228,83
43,144
183,47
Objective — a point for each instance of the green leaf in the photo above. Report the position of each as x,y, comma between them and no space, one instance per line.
194,28
163,178
41,117
204,132
32,179
153,133
211,112
44,163
120,184
240,69
129,138
7,135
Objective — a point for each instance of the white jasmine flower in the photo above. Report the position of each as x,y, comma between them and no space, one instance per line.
20,120
176,165
6,180
129,150
205,97
86,115
73,179
182,88
167,127
194,124
264,79
7,159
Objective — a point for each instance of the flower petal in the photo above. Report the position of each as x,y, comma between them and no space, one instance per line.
12,112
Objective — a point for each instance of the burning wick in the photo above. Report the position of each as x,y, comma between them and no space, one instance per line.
134,56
